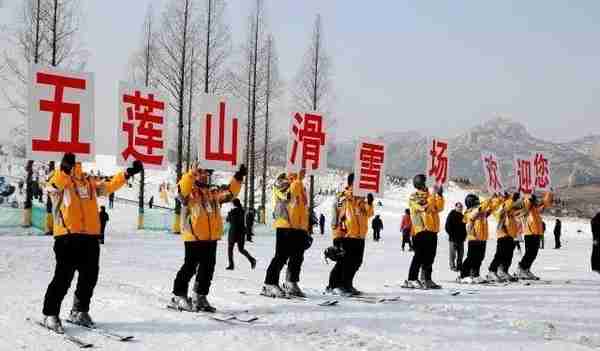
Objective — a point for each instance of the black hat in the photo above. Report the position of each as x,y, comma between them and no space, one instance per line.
69,159
471,201
419,181
350,179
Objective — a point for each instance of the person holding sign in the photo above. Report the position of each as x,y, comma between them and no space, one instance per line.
533,231
350,225
425,208
506,234
202,228
76,232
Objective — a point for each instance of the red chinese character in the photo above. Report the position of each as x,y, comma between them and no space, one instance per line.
542,171
371,160
439,161
221,155
524,176
311,136
491,165
146,135
58,107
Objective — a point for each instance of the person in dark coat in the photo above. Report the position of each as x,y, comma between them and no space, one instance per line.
557,232
151,202
103,220
377,226
596,243
237,233
457,234
111,200
249,224
322,223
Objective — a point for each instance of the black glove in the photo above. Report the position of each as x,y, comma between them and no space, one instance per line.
370,199
241,173
516,196
67,163
136,168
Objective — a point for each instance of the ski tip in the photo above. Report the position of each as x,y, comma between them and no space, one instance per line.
127,338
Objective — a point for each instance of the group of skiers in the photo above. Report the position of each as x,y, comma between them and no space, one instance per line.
77,227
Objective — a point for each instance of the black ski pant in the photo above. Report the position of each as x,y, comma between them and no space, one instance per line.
343,273
475,255
233,239
74,252
557,244
456,254
289,248
102,229
200,259
532,246
406,239
505,248
376,234
596,257
425,246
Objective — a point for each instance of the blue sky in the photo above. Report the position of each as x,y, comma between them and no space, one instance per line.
435,66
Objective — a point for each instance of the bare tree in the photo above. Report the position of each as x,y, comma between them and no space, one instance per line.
177,35
313,85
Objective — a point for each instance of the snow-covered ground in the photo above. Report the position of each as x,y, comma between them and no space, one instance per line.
138,268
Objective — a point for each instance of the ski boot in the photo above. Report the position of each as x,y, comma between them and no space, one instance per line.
504,275
230,268
493,277
533,276
525,274
180,303
338,292
53,323
81,318
292,289
430,284
201,304
412,284
479,280
253,263
466,280
355,291
272,291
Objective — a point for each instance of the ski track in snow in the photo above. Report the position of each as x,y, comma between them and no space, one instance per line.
138,268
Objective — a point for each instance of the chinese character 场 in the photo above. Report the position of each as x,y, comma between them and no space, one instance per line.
221,155
542,171
308,131
371,160
148,136
524,176
57,108
491,165
438,167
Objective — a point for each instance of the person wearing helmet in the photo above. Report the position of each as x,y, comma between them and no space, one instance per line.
290,211
350,224
506,236
202,228
76,230
424,212
533,230
476,223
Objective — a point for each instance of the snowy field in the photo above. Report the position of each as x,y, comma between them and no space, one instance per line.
138,268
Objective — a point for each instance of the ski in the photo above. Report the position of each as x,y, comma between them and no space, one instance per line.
104,332
67,337
221,317
325,303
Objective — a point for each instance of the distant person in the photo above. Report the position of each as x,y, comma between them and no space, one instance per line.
322,223
557,230
151,202
111,201
405,227
596,243
457,234
103,220
542,239
250,224
237,233
377,226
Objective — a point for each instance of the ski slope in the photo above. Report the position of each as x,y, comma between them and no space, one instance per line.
138,268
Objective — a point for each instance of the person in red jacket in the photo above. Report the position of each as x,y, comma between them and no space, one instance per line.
405,227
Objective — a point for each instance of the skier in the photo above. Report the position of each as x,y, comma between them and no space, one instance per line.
457,234
111,201
533,206
322,223
596,243
250,224
350,224
476,220
237,234
151,202
557,230
76,232
405,227
290,210
506,237
424,213
202,228
377,226
103,220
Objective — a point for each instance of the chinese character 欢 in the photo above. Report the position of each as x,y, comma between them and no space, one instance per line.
491,167
371,159
438,165
147,113
308,132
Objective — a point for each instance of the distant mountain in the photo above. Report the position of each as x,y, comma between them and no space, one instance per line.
575,162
